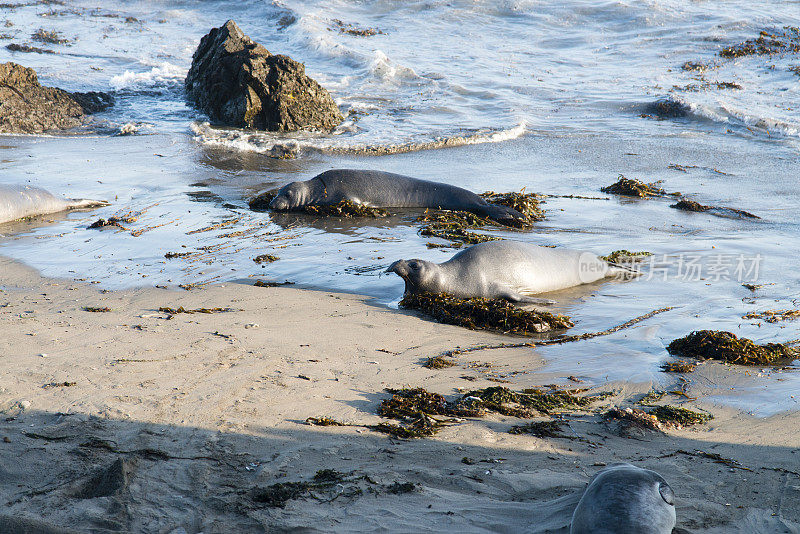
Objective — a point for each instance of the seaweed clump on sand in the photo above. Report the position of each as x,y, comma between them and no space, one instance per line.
690,205
485,314
678,367
677,418
277,495
766,43
659,418
631,187
540,429
438,362
346,208
453,226
525,404
418,409
528,204
414,408
725,346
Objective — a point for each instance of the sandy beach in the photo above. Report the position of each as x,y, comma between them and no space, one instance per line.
132,421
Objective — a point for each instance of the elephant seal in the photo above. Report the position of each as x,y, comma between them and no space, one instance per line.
387,190
505,269
18,201
624,499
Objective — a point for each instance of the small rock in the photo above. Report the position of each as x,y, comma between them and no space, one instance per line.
251,325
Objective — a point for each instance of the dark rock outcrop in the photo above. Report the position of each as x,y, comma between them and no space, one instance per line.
237,82
28,107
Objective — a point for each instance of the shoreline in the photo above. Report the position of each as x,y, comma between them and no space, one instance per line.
199,411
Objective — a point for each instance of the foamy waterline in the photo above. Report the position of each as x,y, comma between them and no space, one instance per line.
282,147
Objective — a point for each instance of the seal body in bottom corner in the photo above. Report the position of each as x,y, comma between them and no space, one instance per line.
625,499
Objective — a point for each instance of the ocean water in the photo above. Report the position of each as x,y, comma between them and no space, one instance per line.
553,97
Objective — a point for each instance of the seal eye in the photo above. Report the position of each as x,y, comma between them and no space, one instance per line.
666,493
413,264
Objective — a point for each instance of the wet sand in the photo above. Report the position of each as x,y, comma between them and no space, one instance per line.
175,423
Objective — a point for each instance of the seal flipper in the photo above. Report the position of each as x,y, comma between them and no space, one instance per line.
85,203
503,214
512,296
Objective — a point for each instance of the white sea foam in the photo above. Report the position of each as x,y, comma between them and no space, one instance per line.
162,74
279,146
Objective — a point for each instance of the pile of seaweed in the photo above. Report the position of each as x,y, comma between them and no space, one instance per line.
658,418
485,314
540,429
261,201
528,204
678,367
266,258
690,205
453,226
766,43
422,413
632,187
346,208
326,485
725,346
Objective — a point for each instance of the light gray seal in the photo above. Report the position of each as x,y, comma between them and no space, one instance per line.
386,190
625,499
505,269
18,201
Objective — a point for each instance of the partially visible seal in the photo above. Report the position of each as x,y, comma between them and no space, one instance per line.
18,201
505,269
386,190
624,499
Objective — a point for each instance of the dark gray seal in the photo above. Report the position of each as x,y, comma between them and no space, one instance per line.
505,269
18,201
625,499
387,190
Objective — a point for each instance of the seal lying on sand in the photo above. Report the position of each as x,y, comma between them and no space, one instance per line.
505,269
624,499
386,190
18,201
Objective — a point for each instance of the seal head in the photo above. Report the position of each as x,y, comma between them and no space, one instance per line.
290,197
420,276
622,499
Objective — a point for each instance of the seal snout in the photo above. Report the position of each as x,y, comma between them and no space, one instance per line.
400,267
279,203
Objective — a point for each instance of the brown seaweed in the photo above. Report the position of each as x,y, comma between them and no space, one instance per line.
774,316
266,258
678,367
626,256
347,209
725,346
528,204
485,314
690,205
632,187
540,429
766,43
438,362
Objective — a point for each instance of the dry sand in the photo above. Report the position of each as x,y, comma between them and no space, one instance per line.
172,425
